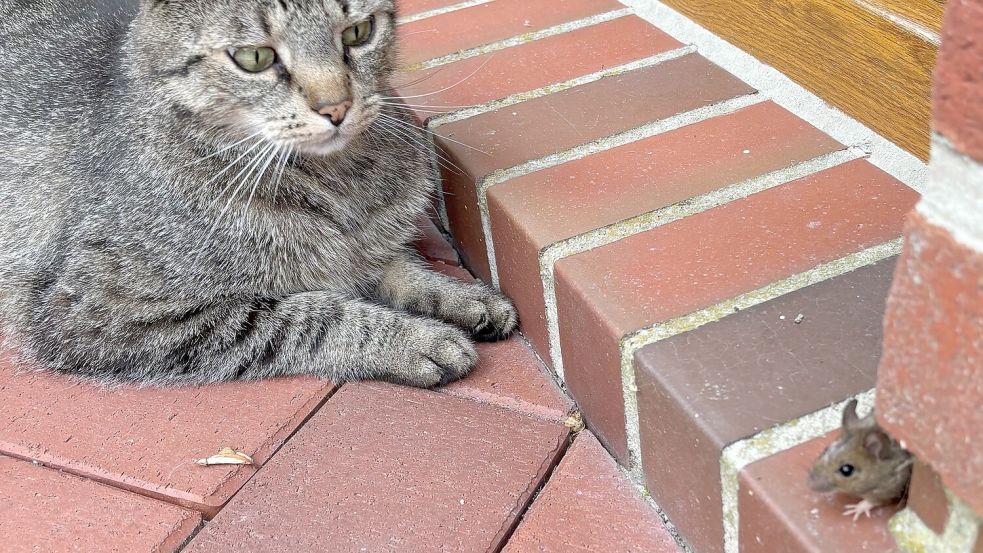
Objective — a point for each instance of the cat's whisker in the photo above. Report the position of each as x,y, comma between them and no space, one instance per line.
431,75
428,131
426,110
403,137
404,104
227,148
409,130
422,147
250,167
282,164
472,74
229,166
259,177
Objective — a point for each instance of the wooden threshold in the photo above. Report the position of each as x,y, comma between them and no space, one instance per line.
873,59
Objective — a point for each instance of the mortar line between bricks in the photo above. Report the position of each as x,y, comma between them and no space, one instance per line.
553,463
308,417
602,144
520,39
768,442
493,105
638,339
440,11
792,96
550,255
639,484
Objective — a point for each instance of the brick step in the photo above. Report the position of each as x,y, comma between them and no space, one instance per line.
704,270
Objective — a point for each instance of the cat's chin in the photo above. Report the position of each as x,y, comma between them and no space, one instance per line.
327,147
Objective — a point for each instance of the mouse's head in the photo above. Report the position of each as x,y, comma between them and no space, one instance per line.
857,460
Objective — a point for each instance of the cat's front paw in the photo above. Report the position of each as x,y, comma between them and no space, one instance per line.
483,311
435,354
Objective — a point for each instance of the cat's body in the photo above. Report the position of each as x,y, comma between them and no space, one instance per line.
133,245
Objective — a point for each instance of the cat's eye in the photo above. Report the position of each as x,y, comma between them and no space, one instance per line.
359,33
254,58
846,470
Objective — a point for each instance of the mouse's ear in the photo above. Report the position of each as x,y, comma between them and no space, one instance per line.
877,444
850,418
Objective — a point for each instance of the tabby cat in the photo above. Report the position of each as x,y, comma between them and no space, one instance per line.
194,191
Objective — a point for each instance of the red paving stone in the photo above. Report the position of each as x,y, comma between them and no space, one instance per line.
608,292
779,513
512,135
144,439
531,212
49,511
590,505
509,374
448,33
534,64
383,467
930,385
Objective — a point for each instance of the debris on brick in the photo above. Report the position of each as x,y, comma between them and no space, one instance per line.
226,456
575,422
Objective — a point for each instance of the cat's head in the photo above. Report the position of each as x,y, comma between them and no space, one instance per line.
299,74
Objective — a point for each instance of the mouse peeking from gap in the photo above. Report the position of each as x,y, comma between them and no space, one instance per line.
863,462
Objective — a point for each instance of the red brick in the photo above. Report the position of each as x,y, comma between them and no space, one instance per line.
926,497
958,102
930,386
145,439
432,245
50,511
778,511
509,374
533,65
413,7
486,23
589,505
382,467
554,123
673,270
531,212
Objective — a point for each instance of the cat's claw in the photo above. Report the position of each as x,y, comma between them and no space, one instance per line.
491,316
861,508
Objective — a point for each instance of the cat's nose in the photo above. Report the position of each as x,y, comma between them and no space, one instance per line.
334,111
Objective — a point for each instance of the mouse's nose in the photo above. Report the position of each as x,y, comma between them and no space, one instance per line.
334,111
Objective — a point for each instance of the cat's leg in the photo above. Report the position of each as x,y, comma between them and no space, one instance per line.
484,312
312,333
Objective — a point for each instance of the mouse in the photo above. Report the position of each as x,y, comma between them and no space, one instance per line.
863,462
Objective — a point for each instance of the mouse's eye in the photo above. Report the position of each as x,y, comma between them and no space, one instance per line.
846,470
